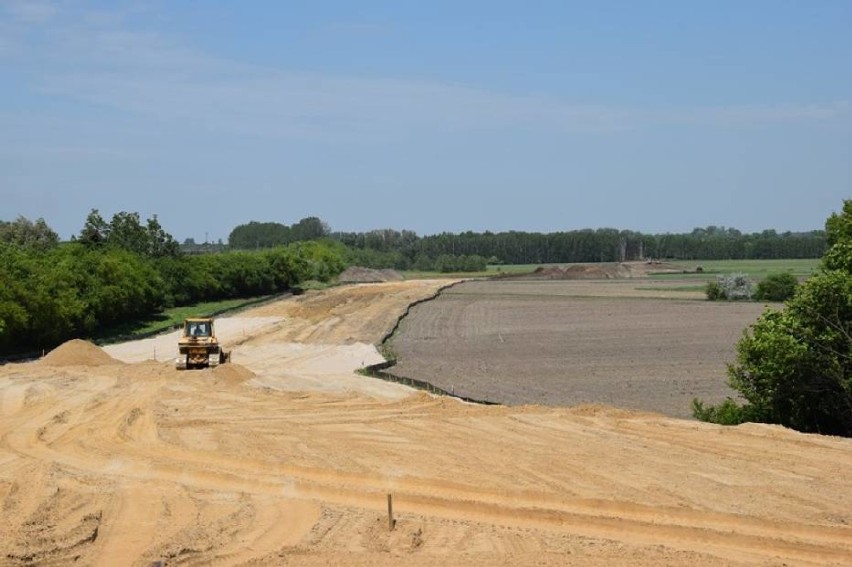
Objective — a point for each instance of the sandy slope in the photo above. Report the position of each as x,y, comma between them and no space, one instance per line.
125,464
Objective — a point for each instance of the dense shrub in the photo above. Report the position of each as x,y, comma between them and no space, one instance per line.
324,259
736,287
794,367
47,297
728,412
777,287
379,260
731,287
28,234
79,288
714,291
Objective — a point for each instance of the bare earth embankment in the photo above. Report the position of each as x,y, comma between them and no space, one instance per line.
286,458
565,343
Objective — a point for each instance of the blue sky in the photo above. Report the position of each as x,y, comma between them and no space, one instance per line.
432,116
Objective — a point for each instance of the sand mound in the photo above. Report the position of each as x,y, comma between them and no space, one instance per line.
233,373
77,352
357,274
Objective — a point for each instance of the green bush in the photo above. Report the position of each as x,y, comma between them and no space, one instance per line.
730,287
714,291
794,367
376,259
80,288
728,412
777,287
69,291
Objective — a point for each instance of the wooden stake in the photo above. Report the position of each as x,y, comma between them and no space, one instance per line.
390,513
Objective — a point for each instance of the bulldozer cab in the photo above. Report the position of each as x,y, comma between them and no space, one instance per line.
198,346
198,328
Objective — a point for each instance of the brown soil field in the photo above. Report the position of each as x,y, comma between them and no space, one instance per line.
129,462
565,343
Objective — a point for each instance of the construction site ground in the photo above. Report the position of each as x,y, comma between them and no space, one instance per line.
286,457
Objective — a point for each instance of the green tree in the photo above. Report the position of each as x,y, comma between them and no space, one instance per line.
126,231
160,242
839,235
24,232
15,272
309,228
95,231
259,235
794,367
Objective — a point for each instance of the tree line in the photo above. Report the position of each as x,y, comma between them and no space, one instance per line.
255,235
447,251
125,270
600,245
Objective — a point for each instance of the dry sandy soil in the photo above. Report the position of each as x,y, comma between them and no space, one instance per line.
565,343
115,462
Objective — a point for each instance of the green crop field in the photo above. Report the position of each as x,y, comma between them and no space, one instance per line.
755,269
420,275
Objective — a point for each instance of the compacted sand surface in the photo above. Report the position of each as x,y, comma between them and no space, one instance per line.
127,462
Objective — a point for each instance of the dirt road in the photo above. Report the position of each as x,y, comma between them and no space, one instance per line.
104,462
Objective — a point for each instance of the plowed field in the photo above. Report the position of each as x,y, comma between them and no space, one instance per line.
286,458
565,343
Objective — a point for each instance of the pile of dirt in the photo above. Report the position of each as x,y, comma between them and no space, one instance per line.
233,373
600,271
357,274
77,352
583,272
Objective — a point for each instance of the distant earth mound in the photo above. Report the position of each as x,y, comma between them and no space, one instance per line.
357,274
600,271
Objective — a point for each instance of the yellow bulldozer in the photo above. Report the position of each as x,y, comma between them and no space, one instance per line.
198,346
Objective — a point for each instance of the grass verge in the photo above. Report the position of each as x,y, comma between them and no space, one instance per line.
174,316
684,288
